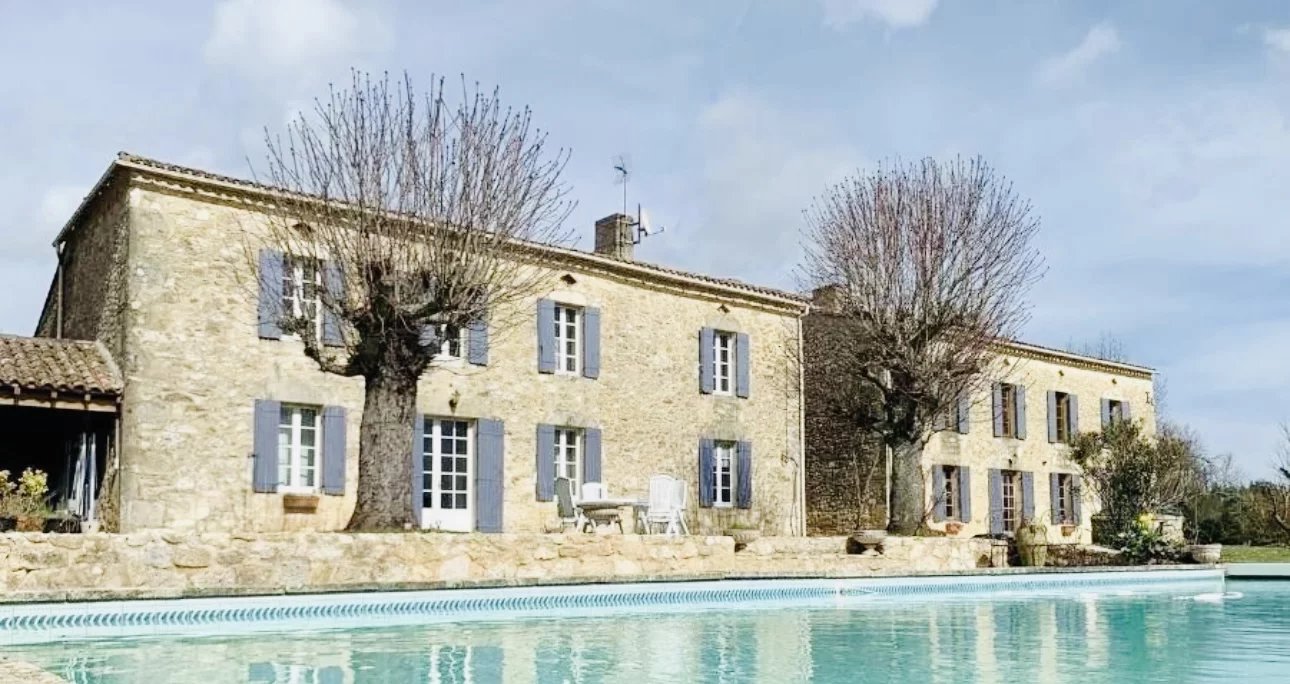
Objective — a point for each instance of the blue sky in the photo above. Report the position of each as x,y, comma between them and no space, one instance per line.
1151,135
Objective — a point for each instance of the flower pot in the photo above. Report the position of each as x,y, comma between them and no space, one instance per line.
1206,553
300,503
1068,530
953,527
744,537
30,523
869,537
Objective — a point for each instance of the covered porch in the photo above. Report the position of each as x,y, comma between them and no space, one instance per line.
59,404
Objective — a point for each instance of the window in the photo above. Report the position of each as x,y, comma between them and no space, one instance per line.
1066,498
1008,410
723,362
950,494
567,343
298,440
1114,410
449,340
1063,418
446,465
723,474
301,285
1012,504
568,456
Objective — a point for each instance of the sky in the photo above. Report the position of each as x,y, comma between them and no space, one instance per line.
1151,136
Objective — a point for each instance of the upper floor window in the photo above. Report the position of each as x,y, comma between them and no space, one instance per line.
568,346
1009,401
723,362
448,338
723,474
1062,406
1114,411
298,442
301,287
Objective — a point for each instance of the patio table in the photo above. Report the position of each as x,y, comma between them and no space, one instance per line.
590,505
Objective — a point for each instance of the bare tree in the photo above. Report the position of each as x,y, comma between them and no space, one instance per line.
930,262
418,213
1272,499
1107,347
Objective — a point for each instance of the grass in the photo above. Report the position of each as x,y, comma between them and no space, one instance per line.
1256,554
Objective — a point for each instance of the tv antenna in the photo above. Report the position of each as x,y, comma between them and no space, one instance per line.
643,227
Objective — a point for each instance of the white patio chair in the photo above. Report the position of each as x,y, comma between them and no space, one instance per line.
662,491
680,502
593,491
570,514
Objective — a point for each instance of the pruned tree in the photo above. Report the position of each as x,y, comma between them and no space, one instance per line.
931,263
1271,499
409,214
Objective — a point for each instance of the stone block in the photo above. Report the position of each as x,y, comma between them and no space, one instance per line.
191,557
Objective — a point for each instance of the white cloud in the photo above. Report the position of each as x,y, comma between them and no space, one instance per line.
840,14
275,40
1100,41
1277,40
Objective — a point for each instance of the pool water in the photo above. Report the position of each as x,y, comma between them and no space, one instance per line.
1090,639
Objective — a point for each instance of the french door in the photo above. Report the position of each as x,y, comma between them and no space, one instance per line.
448,475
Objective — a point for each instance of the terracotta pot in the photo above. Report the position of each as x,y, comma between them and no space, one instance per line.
1206,553
953,527
1068,530
31,523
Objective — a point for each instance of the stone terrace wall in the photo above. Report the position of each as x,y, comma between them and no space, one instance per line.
156,564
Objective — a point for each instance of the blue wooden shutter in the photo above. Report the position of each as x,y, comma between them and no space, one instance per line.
1052,417
334,282
996,501
705,473
743,377
938,494
998,409
544,465
1077,495
591,455
264,471
965,494
270,306
546,336
333,451
1072,414
743,475
591,342
490,467
964,415
706,383
418,466
1106,413
1028,496
477,342
1021,411
1055,497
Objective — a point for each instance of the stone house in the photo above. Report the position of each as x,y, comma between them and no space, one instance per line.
1001,458
615,371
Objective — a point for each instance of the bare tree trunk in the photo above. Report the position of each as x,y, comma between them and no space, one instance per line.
385,454
906,488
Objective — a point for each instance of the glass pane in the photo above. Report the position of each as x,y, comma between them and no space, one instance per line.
461,483
445,501
427,481
445,482
445,464
461,502
427,499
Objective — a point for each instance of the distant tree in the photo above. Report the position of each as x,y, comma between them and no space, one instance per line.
421,209
1107,347
1271,498
931,263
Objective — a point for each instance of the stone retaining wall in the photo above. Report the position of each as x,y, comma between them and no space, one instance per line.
159,564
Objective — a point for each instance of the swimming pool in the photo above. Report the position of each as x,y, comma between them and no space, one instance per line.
1100,631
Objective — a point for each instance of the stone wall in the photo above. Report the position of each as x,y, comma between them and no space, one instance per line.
194,366
836,454
152,564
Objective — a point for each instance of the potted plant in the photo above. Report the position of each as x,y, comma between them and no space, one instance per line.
1032,543
22,503
744,532
1206,553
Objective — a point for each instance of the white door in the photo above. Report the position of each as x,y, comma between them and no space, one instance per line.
448,463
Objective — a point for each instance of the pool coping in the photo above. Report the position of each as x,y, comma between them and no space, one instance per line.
13,598
1259,571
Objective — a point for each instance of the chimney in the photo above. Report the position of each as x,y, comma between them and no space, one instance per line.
614,236
827,298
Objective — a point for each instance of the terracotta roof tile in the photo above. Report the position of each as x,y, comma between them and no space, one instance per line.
42,363
794,297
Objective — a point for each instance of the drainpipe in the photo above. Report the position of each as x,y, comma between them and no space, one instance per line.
58,305
801,425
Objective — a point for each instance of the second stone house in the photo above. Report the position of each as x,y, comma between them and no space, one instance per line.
615,371
1001,458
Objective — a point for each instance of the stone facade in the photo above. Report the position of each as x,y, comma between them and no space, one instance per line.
151,564
835,465
186,342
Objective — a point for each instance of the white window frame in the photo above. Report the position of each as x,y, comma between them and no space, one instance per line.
1008,409
568,339
292,477
723,362
950,492
295,303
434,436
445,352
1013,491
1062,404
568,456
723,463
1066,498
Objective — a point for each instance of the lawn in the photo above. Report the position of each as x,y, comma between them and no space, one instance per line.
1256,554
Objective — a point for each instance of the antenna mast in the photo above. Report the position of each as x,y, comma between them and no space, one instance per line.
620,167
